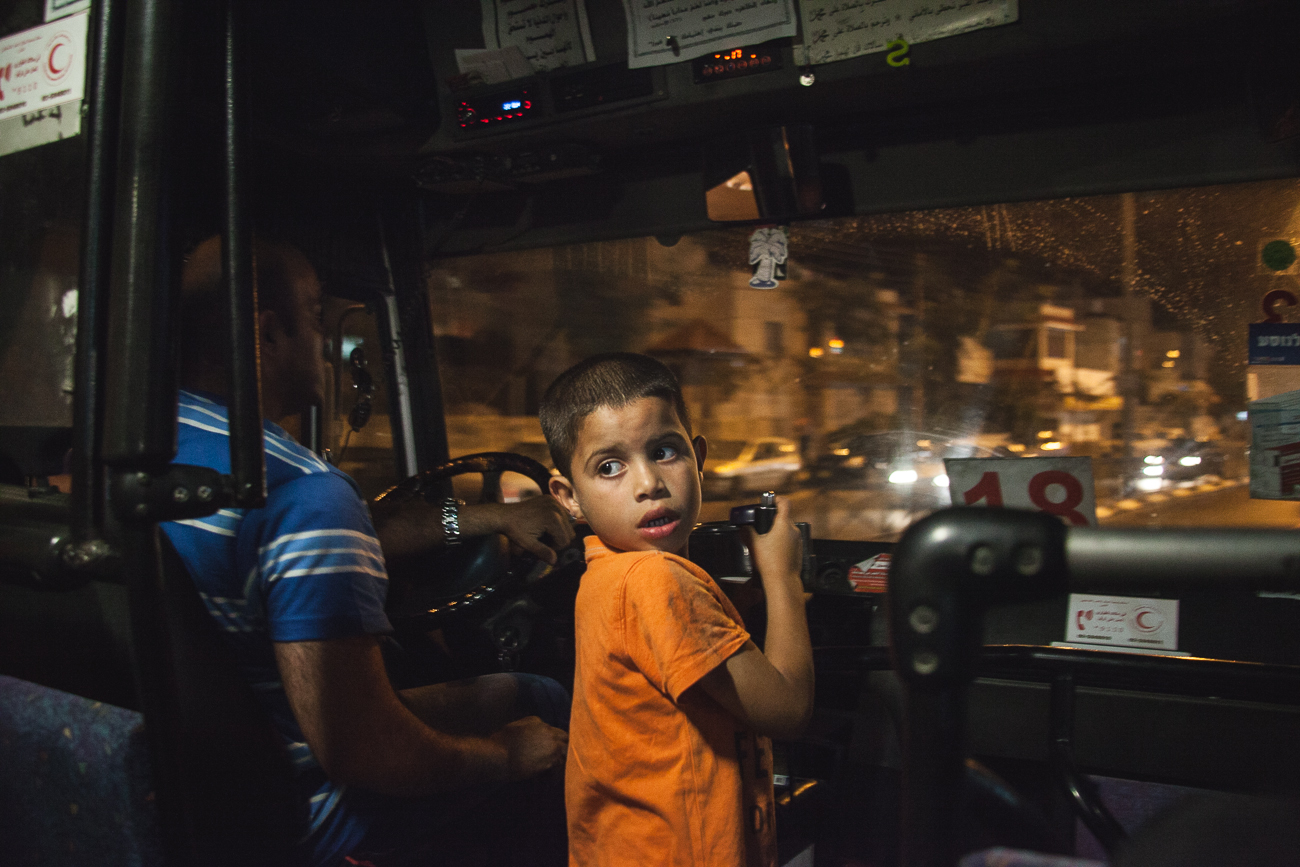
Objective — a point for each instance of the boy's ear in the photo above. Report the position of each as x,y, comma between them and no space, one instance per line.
701,449
562,490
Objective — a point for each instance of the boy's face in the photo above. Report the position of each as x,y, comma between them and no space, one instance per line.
635,477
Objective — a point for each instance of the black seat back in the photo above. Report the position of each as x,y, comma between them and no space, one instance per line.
242,805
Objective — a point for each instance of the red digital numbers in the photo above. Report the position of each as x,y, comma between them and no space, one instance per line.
989,490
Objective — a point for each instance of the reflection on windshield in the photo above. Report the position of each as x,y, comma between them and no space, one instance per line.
1111,327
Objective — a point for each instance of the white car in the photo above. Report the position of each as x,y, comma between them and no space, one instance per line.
736,467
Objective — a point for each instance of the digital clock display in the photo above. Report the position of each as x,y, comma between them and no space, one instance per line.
737,62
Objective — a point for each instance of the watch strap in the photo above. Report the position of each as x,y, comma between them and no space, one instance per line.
451,521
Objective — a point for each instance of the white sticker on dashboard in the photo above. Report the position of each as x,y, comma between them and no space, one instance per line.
1126,622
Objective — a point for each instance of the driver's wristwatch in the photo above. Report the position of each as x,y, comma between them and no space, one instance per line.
451,521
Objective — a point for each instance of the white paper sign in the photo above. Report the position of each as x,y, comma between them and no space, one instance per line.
43,67
1275,447
840,29
32,129
550,33
493,65
1127,622
699,27
62,8
1058,486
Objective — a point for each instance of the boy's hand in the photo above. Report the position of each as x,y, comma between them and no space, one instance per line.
532,746
778,553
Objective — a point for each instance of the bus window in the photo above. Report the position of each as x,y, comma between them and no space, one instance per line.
40,238
1112,327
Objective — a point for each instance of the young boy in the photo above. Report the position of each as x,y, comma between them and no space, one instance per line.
669,758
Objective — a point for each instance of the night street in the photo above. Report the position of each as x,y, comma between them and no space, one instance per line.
883,515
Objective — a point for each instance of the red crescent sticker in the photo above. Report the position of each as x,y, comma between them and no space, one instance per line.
53,70
1139,620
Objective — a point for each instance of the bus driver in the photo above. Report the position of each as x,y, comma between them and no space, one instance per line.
298,589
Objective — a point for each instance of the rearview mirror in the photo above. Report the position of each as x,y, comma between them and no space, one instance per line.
768,174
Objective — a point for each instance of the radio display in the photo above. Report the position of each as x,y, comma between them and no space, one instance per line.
494,109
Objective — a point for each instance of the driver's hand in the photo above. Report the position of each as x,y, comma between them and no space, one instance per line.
532,746
539,525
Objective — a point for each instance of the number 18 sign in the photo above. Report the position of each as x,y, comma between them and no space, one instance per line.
1058,486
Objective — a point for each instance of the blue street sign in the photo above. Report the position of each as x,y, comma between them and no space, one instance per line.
1274,343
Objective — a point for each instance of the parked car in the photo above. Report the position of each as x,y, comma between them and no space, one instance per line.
736,467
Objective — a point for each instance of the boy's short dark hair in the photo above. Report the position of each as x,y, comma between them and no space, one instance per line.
613,379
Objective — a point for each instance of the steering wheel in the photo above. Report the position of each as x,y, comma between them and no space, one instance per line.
430,590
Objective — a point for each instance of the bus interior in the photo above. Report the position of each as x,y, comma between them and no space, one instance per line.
1045,236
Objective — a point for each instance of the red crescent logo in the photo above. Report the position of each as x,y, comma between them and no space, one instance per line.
53,70
1148,620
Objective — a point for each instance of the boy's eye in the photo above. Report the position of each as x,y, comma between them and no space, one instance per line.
664,453
610,468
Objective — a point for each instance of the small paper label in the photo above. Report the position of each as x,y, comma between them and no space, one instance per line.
871,575
1058,486
1123,621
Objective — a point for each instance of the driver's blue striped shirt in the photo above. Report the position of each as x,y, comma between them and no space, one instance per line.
307,566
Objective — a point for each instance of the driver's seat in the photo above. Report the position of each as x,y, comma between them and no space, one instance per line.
240,802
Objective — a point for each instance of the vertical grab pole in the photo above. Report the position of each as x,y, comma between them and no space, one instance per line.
96,261
139,408
140,382
247,455
403,248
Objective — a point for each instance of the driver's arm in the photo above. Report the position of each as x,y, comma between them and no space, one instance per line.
538,525
364,735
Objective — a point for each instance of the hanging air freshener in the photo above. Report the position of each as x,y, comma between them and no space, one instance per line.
767,254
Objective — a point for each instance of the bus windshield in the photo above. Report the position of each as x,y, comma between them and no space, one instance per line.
896,340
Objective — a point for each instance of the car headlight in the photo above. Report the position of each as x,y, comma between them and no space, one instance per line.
1153,471
902,477
1153,459
940,481
1189,461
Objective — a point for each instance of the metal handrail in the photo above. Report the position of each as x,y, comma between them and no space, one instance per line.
102,97
247,449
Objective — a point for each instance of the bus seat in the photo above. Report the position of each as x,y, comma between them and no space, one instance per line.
76,788
1133,803
1214,829
235,772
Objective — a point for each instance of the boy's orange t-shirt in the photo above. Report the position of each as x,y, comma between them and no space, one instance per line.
657,774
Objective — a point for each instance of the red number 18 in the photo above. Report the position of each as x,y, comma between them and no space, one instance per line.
989,489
